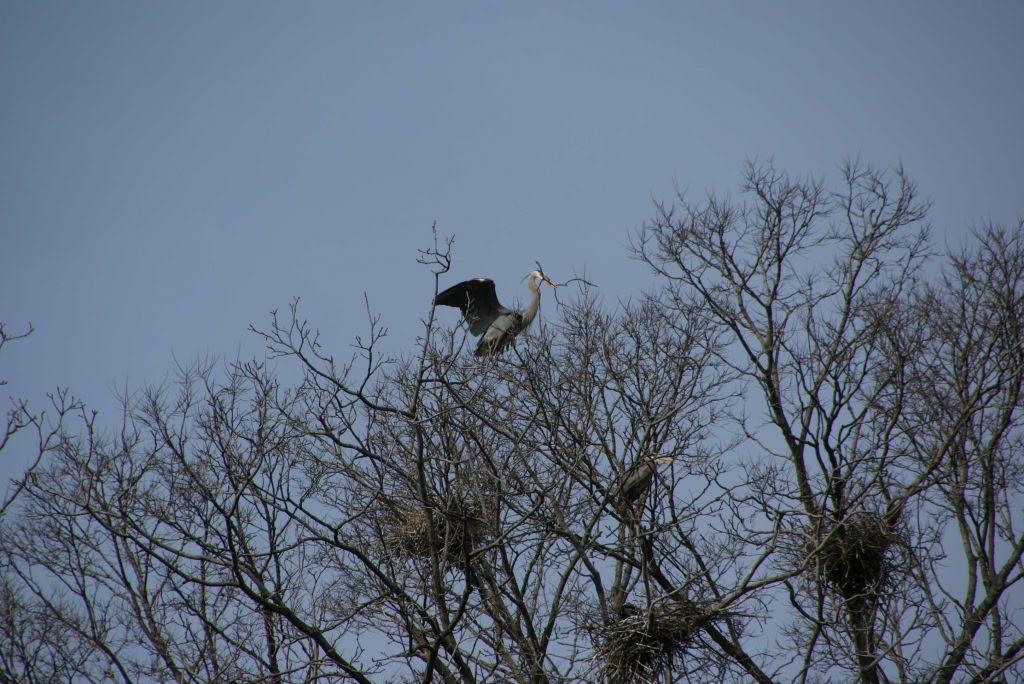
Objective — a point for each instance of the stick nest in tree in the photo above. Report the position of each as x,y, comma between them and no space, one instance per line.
639,645
454,528
853,556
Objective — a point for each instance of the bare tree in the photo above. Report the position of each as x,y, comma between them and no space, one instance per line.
19,418
960,425
835,417
821,293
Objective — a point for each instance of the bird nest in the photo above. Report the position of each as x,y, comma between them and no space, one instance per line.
640,645
453,529
854,556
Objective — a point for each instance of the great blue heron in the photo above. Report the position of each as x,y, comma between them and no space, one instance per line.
637,480
479,305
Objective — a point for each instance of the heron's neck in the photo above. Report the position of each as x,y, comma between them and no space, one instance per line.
530,312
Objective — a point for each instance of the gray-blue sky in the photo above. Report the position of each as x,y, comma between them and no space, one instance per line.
170,172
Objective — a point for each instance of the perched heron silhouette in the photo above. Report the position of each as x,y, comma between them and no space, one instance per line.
486,316
637,480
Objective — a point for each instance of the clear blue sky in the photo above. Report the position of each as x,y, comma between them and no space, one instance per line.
170,172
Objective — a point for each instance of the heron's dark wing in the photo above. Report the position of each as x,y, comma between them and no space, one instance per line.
477,301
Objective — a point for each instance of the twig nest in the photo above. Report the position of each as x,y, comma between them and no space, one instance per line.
640,644
453,529
852,554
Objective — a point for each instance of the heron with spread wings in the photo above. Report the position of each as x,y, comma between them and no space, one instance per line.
497,325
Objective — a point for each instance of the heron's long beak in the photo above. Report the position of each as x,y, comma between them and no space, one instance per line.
664,459
547,280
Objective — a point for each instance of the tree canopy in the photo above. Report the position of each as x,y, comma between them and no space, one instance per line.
841,401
